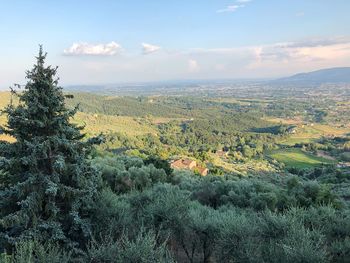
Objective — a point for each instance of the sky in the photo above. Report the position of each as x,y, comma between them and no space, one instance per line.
105,41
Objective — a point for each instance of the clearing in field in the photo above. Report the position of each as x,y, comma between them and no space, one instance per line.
97,123
312,132
298,158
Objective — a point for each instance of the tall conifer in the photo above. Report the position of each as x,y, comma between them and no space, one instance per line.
47,185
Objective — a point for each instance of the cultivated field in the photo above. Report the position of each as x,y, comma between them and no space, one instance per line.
298,158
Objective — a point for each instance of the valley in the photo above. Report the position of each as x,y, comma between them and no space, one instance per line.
205,164
285,129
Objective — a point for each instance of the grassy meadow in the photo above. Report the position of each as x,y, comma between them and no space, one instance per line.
100,123
297,158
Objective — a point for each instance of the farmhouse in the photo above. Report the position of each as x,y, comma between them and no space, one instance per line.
183,164
189,164
202,170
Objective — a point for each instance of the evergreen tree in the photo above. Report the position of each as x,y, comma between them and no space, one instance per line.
47,185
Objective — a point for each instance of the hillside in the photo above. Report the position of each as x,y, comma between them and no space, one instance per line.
250,131
329,75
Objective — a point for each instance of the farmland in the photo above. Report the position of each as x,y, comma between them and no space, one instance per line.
257,134
298,158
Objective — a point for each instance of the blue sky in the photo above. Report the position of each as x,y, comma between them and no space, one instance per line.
133,40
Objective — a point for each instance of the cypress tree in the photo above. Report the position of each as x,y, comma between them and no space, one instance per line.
47,185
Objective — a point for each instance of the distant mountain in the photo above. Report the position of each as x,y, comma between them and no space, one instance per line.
330,75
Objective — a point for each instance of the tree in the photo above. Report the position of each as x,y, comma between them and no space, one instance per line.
49,186
160,164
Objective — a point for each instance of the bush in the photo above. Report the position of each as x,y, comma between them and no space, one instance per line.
238,241
142,249
345,156
112,214
32,251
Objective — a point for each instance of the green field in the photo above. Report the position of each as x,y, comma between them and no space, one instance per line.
312,133
100,123
295,140
298,158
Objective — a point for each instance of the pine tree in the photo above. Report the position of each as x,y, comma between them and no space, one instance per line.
48,186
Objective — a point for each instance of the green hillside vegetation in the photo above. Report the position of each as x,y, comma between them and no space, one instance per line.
178,126
198,127
298,158
100,123
124,106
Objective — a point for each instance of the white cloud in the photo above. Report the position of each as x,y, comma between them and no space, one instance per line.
233,7
83,48
193,65
304,55
255,61
148,48
311,50
273,60
230,8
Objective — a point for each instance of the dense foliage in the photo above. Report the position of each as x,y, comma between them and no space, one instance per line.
143,215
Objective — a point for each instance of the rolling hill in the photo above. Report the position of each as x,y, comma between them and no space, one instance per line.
329,75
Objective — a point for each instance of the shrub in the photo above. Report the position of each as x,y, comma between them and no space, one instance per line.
142,249
32,251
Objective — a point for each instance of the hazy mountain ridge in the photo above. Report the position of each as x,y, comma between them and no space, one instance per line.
329,75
